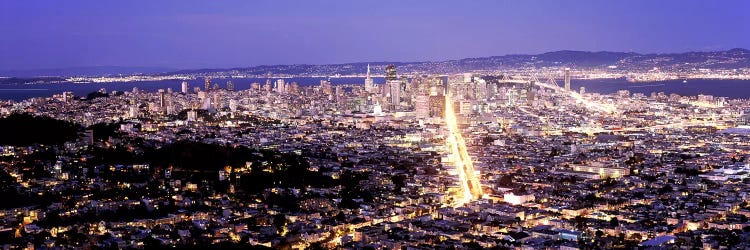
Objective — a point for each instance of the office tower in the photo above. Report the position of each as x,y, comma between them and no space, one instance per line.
480,89
267,86
255,86
393,87
437,105
464,107
583,90
66,96
162,99
510,95
390,73
530,95
294,89
394,91
369,83
280,86
232,105
326,86
133,111
184,87
339,94
230,86
207,84
217,101
422,106
192,115
567,79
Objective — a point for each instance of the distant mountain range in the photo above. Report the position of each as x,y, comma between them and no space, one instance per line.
728,59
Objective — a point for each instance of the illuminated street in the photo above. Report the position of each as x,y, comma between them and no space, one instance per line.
470,184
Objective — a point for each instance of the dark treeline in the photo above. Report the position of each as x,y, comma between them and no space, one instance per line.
25,130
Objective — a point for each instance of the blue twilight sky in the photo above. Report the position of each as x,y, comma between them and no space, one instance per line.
195,34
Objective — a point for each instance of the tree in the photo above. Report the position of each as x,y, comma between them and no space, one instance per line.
614,222
506,181
279,221
636,237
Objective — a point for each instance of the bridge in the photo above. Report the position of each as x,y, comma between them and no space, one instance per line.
552,84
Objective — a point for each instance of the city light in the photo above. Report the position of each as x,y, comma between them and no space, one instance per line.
470,183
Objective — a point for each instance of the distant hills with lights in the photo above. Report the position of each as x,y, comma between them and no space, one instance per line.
728,59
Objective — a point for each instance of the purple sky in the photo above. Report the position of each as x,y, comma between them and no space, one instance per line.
196,34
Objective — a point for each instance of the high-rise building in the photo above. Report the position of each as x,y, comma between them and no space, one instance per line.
267,86
422,106
66,96
133,111
192,115
390,72
530,95
162,99
184,87
280,86
217,101
369,83
326,86
437,105
232,105
567,79
294,89
230,86
394,87
207,84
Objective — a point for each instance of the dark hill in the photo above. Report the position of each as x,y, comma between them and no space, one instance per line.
25,130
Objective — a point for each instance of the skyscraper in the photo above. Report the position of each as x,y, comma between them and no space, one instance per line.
393,87
390,72
326,86
422,106
530,95
280,86
230,86
184,87
162,99
567,79
207,85
369,83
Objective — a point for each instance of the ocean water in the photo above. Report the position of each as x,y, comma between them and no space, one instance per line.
726,88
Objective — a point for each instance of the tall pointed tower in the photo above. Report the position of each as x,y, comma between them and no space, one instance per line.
369,83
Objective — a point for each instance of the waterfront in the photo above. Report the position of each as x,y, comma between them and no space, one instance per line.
736,89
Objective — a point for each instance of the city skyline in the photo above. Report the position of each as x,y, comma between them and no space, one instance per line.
375,125
237,34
